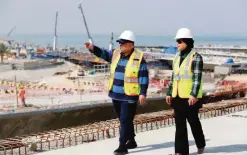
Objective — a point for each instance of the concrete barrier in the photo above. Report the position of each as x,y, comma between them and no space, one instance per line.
19,124
222,70
39,64
5,67
36,64
40,122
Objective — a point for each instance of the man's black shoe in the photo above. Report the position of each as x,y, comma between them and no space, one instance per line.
131,144
121,151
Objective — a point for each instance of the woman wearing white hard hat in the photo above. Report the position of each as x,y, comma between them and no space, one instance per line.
128,84
185,93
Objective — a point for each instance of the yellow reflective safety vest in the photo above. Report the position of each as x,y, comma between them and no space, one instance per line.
131,84
182,77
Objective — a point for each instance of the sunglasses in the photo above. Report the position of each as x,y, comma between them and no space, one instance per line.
123,43
179,41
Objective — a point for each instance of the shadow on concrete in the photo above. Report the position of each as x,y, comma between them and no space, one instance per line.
159,146
226,149
40,151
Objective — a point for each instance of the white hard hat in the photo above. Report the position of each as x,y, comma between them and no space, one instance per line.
183,33
126,35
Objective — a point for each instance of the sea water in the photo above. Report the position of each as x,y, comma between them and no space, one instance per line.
77,40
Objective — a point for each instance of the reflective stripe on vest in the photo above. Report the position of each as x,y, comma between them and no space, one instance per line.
136,59
187,65
115,54
126,79
131,83
130,80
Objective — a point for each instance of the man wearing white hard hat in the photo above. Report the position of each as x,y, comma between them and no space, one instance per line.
185,92
128,83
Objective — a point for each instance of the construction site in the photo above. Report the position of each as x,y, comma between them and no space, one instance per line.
57,119
67,109
67,103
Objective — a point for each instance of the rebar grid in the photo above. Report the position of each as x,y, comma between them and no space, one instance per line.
66,137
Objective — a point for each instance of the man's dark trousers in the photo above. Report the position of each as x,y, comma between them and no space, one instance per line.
126,112
183,111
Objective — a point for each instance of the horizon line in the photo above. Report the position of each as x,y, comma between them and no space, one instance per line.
116,34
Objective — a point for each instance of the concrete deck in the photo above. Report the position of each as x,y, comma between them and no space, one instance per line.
224,135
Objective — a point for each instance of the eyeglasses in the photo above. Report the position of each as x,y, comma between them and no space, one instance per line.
179,41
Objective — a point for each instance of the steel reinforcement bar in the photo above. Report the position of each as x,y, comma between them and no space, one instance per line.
66,137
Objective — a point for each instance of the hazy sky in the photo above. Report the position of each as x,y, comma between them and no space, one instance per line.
163,17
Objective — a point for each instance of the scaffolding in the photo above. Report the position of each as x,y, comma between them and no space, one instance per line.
101,68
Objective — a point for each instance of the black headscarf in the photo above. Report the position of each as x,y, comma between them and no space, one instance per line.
190,44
